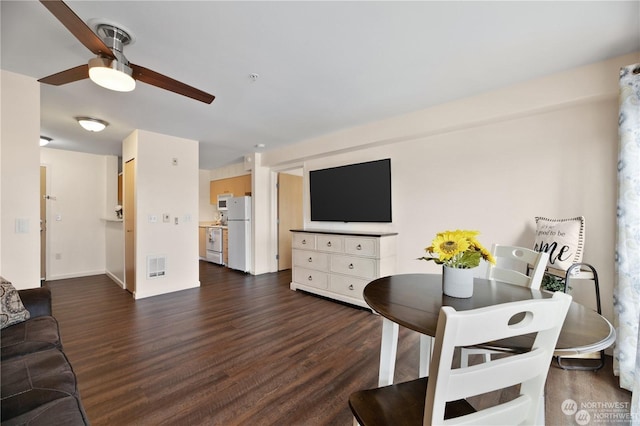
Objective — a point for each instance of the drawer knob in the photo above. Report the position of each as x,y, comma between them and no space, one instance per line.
351,266
328,243
350,286
310,278
359,247
310,260
304,241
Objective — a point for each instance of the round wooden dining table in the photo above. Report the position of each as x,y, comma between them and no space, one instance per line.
414,301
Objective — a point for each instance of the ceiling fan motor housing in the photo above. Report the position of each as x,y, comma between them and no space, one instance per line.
115,38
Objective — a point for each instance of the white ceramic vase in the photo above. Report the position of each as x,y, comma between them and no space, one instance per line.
457,282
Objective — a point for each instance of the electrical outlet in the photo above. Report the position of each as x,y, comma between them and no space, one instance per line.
166,217
175,220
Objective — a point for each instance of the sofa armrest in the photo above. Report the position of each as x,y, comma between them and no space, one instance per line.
37,301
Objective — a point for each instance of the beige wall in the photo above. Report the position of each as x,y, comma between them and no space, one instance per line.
162,187
206,211
77,213
492,163
20,180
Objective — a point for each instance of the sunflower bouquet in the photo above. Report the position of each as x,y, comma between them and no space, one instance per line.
457,249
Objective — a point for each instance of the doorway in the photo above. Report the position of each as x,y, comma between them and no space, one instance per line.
290,214
129,210
43,223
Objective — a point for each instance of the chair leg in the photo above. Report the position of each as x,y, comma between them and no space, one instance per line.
426,351
464,358
594,367
541,410
596,284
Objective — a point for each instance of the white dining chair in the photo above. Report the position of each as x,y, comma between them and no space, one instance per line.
441,398
518,265
514,265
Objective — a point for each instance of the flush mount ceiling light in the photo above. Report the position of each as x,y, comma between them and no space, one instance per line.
44,140
92,124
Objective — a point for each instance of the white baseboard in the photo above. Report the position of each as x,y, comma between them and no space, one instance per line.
75,275
116,279
159,291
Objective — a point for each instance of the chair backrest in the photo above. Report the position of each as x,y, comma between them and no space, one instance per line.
510,257
465,328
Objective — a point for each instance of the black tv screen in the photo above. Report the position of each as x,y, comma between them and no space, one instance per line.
353,193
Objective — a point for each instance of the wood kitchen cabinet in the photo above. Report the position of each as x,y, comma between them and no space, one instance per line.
202,242
225,246
238,186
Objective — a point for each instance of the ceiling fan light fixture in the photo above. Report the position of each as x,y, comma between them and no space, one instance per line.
92,124
111,74
44,140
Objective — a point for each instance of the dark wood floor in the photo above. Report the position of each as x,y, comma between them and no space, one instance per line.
241,349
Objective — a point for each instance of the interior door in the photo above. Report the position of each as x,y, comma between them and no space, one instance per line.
289,215
43,223
129,210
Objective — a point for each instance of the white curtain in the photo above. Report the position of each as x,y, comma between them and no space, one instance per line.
627,287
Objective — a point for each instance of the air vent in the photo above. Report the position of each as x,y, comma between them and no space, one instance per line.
156,266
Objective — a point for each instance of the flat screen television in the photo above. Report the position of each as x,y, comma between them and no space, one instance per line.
352,193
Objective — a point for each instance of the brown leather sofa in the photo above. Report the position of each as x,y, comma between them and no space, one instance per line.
38,385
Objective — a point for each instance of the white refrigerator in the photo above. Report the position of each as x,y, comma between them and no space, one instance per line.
239,228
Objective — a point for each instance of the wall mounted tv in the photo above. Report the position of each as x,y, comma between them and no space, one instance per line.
352,193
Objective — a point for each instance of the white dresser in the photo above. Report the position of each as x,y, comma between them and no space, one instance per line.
339,265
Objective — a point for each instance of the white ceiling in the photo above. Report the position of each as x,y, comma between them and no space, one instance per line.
323,66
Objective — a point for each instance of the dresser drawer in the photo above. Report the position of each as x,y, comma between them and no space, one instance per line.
311,259
333,243
354,266
361,246
303,241
311,278
352,287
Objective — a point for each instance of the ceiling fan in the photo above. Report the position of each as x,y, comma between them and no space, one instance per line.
110,58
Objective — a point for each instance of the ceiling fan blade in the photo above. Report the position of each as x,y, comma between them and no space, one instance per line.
162,81
77,27
68,76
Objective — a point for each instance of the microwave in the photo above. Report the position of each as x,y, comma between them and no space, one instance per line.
223,201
